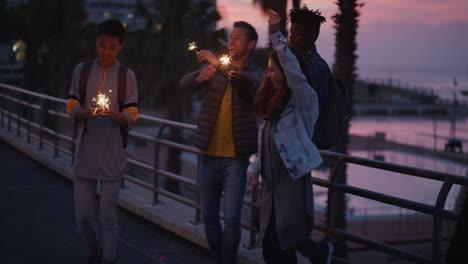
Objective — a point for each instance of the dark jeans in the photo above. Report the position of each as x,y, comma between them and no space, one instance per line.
85,197
218,174
272,252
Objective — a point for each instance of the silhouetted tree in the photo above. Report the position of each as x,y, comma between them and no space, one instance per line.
346,24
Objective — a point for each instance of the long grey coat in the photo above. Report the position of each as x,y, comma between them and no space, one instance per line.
292,200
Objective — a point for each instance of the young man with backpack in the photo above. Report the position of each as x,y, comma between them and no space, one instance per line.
334,103
101,137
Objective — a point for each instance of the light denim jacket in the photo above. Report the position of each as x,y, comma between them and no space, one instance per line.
294,129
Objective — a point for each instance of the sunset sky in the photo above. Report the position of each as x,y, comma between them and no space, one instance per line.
416,34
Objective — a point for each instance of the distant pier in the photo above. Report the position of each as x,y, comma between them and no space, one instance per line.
417,110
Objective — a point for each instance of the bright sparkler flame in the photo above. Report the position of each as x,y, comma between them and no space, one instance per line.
225,60
102,101
193,46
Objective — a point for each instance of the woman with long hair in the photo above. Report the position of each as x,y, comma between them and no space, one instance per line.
288,109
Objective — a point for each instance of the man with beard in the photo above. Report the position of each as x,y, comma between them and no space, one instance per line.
226,134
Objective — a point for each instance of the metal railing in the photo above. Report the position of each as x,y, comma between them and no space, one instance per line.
29,113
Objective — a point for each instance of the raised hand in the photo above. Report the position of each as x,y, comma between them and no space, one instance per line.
274,21
208,56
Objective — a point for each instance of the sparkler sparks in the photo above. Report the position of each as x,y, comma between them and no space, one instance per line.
193,47
102,101
225,60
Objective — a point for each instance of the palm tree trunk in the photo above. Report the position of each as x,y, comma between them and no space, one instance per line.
296,4
346,23
280,7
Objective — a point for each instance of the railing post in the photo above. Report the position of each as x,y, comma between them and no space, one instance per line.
55,144
3,117
197,219
29,117
437,227
254,214
55,107
40,135
331,198
156,164
9,116
3,114
18,121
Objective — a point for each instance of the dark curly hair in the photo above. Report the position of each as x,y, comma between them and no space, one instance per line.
311,19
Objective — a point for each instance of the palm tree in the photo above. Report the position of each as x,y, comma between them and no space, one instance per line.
346,24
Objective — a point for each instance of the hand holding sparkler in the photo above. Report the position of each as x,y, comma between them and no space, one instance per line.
102,102
239,80
206,74
85,113
208,56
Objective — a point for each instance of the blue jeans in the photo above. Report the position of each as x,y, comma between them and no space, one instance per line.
85,197
218,174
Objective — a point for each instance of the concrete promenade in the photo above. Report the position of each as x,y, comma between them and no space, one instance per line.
38,226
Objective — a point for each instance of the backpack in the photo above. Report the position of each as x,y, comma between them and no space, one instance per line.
121,92
330,129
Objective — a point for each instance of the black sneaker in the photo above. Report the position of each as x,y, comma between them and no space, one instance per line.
323,253
95,256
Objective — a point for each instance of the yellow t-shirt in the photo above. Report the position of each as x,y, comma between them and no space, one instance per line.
222,139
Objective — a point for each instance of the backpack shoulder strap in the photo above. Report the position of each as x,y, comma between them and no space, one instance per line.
122,86
85,70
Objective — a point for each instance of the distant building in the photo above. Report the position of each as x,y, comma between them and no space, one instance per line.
11,70
123,10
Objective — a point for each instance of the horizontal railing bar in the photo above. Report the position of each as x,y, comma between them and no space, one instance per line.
168,122
56,113
375,244
37,126
412,171
178,145
163,192
162,172
25,103
165,142
43,96
387,199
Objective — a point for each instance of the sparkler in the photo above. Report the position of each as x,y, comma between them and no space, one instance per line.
102,101
193,47
225,61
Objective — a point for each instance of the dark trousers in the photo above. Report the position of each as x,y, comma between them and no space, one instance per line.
222,175
272,252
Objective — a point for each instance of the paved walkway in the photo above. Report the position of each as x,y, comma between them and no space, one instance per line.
37,222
